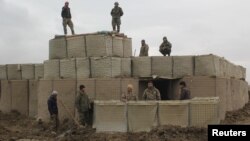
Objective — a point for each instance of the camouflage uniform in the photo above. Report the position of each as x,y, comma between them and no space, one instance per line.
83,104
151,94
144,50
116,14
165,47
129,97
66,15
185,94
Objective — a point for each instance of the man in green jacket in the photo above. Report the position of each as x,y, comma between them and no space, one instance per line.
83,105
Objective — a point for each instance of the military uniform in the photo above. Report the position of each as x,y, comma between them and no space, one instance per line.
144,50
116,14
82,103
151,94
129,97
66,15
185,94
165,48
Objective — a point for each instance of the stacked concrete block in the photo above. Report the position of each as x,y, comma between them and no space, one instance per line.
126,67
162,66
117,47
141,67
204,111
235,87
207,65
19,94
28,71
5,100
173,113
58,48
51,69
108,89
127,47
110,116
221,92
39,71
66,97
14,72
141,116
228,97
33,100
102,67
76,47
44,90
3,72
82,68
183,66
90,87
68,68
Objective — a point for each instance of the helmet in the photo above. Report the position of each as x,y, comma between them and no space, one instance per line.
164,37
116,3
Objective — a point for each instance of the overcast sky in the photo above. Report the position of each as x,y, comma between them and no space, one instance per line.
194,27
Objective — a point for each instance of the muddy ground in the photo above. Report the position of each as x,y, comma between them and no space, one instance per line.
15,127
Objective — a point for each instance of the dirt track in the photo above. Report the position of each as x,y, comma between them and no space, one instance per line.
14,127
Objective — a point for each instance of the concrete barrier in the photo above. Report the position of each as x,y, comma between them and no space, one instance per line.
3,72
173,113
58,48
142,116
68,68
141,67
221,92
76,47
162,66
229,100
5,99
127,47
98,45
39,71
117,47
108,89
14,72
28,71
82,68
33,100
126,67
51,69
183,66
207,65
110,116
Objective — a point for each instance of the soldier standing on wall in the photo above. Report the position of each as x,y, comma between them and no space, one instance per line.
116,14
144,49
165,47
66,15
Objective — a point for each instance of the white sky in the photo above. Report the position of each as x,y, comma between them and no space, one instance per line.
194,27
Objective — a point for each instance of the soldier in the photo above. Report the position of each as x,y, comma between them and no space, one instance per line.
151,93
66,15
184,91
53,110
144,49
129,96
116,14
165,47
82,103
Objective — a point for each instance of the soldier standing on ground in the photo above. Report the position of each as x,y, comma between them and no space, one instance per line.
82,103
184,91
151,93
116,14
53,110
144,49
129,96
66,15
165,47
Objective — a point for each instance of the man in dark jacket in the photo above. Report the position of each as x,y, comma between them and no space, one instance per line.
66,15
165,47
185,93
53,110
82,103
116,14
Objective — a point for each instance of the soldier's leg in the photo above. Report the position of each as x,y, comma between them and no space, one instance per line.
65,26
81,118
113,24
118,24
71,26
87,118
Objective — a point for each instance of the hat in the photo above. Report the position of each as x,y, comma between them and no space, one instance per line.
54,92
66,2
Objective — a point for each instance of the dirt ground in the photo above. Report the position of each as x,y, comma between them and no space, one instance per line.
15,127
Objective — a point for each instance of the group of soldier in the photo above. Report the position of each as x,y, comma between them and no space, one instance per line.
84,104
116,13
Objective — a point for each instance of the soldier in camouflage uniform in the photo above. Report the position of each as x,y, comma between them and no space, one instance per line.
66,15
82,103
144,49
151,93
165,47
129,96
116,14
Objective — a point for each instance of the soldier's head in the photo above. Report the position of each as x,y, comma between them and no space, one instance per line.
165,39
116,4
143,42
183,84
66,3
130,87
150,84
82,88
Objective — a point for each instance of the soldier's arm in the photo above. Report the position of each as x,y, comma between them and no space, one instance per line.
111,13
121,12
62,12
144,96
158,95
